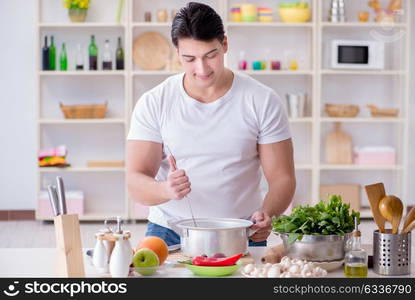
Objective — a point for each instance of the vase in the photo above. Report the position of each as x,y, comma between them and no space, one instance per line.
77,14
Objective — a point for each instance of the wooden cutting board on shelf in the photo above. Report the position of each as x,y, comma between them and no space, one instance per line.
151,51
338,146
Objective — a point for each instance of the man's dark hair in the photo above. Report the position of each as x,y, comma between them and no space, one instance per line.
197,21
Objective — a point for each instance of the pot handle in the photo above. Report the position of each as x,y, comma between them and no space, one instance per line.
173,225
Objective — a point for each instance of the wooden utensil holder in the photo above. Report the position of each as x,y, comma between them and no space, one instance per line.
69,256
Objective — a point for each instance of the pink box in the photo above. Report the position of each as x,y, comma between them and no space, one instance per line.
74,203
140,211
374,156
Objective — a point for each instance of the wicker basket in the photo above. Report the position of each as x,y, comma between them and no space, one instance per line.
382,112
92,111
342,111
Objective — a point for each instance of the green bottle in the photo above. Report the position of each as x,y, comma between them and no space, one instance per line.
52,55
93,54
63,59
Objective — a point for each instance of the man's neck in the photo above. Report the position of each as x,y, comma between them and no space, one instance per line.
212,93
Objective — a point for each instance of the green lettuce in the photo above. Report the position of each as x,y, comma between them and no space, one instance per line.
325,218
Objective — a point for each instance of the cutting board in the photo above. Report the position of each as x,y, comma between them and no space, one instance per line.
151,51
338,146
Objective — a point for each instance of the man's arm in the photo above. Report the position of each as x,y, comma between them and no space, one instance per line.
278,165
143,162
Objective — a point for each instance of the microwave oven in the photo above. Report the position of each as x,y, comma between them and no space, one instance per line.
350,54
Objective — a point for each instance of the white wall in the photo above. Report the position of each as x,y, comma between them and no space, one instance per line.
17,103
17,100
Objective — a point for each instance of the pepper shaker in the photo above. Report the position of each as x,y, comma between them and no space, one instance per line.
100,255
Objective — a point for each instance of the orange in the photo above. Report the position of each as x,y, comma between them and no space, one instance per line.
156,244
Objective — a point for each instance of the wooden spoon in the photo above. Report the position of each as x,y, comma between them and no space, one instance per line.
409,218
391,208
375,192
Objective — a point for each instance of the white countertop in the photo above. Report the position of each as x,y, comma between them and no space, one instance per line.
40,262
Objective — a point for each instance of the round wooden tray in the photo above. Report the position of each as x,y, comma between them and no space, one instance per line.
151,51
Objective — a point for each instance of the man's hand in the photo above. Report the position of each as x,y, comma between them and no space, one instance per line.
177,185
262,223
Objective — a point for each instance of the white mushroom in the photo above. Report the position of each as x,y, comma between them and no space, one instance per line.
249,268
274,272
293,269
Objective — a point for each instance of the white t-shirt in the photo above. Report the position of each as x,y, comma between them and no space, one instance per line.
215,143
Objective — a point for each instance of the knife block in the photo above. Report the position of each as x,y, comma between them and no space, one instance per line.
69,256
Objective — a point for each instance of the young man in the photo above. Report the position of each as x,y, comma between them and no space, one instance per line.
203,135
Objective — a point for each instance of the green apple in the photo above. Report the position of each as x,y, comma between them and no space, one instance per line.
145,260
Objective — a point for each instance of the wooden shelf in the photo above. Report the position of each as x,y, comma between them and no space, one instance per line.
151,24
152,73
82,73
81,25
360,167
363,72
269,24
362,120
80,169
82,121
365,213
363,25
91,216
277,72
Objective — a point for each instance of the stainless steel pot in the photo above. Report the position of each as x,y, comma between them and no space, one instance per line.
213,235
316,247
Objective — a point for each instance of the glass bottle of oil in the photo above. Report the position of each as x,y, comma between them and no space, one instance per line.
355,260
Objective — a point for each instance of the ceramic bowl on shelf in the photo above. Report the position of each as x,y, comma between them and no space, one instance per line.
294,14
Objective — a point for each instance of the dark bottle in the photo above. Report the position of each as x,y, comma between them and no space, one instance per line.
107,56
93,54
119,56
52,54
45,55
63,59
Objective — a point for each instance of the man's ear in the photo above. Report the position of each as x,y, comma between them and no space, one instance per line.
225,44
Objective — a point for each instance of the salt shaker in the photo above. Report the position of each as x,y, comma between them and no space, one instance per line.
100,255
120,262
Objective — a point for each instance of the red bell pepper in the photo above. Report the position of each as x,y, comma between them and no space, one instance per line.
215,261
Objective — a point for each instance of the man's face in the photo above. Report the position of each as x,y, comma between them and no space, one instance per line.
202,61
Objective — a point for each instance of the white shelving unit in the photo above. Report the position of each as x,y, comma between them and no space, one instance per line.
313,77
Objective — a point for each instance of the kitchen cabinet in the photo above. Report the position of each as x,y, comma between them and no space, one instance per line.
104,139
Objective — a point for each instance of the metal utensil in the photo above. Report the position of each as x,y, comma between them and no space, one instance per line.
391,208
188,200
53,199
409,218
61,195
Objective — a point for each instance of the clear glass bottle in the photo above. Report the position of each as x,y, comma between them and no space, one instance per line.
79,58
355,260
107,56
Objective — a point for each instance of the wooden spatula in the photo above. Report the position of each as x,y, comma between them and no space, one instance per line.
338,146
409,218
375,193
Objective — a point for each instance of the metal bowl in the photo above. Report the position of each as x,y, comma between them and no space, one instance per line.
316,247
